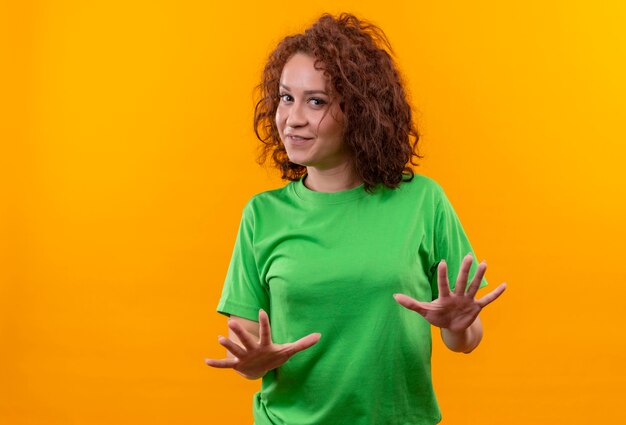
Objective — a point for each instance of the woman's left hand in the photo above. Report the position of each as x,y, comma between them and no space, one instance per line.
456,310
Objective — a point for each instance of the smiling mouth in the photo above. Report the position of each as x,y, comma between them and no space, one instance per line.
298,139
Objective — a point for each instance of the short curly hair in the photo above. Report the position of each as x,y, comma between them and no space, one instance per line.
379,129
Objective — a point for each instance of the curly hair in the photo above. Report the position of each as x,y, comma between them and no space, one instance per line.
379,130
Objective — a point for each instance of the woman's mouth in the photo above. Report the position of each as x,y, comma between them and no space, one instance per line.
298,139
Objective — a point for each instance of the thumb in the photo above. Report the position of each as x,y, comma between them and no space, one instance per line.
303,343
410,303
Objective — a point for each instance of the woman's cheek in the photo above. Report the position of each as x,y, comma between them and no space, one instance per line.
279,121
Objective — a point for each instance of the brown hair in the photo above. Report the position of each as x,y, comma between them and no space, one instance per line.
379,129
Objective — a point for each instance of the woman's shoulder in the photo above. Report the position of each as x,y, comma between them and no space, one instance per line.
424,180
421,183
268,198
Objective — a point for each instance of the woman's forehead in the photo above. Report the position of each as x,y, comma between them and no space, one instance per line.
299,73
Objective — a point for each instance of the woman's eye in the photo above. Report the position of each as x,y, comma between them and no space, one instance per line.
314,100
285,97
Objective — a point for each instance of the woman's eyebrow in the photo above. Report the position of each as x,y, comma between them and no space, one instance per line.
306,91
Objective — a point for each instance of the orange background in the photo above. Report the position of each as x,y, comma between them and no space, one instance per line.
128,153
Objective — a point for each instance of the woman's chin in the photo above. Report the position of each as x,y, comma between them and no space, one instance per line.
298,159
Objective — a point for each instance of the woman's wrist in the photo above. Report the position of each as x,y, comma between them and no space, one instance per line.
252,377
463,341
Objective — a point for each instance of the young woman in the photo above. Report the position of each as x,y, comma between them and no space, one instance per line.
341,259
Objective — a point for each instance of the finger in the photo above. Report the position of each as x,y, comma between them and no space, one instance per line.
478,277
265,333
410,303
246,338
221,364
442,279
302,344
461,280
235,349
492,295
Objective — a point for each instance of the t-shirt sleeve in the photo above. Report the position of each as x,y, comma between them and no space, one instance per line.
244,293
450,243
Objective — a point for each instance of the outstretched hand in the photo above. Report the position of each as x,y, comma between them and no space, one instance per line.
456,310
253,358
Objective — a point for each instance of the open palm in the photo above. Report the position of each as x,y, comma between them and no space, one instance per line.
254,357
455,310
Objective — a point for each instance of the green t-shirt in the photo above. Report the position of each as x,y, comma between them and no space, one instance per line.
330,263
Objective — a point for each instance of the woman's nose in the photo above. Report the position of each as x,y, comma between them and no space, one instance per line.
296,116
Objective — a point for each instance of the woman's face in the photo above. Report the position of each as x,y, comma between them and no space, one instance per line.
310,123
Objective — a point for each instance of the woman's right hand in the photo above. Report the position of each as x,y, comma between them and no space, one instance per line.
254,358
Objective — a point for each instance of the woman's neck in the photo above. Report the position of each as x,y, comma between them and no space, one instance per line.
331,180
